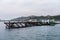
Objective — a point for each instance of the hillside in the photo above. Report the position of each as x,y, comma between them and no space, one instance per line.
57,18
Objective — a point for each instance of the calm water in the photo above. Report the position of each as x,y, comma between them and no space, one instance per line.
30,33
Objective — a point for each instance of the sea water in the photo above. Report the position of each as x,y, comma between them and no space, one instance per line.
30,33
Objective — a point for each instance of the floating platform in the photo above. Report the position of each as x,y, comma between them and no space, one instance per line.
11,24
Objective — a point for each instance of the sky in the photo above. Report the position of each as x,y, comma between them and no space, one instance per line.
10,9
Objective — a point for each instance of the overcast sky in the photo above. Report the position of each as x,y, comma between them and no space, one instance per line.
15,8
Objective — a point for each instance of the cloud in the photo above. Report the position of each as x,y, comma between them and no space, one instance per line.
14,8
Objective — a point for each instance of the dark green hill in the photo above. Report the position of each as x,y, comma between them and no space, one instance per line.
57,18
